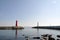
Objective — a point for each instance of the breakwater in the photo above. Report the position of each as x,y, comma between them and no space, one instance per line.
47,27
10,28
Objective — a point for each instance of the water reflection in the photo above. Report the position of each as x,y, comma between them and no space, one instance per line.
38,32
16,33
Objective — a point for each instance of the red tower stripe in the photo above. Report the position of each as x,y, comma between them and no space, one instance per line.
16,23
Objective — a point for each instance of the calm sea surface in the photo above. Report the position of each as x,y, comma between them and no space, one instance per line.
27,31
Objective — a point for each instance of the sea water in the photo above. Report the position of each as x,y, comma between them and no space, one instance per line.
26,32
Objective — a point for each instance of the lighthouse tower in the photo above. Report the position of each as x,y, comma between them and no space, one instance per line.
16,24
37,24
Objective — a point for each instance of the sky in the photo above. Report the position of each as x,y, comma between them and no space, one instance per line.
29,12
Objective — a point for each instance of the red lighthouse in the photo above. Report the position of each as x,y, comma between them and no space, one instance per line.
16,23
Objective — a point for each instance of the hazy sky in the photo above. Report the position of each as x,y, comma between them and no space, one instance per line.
28,12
